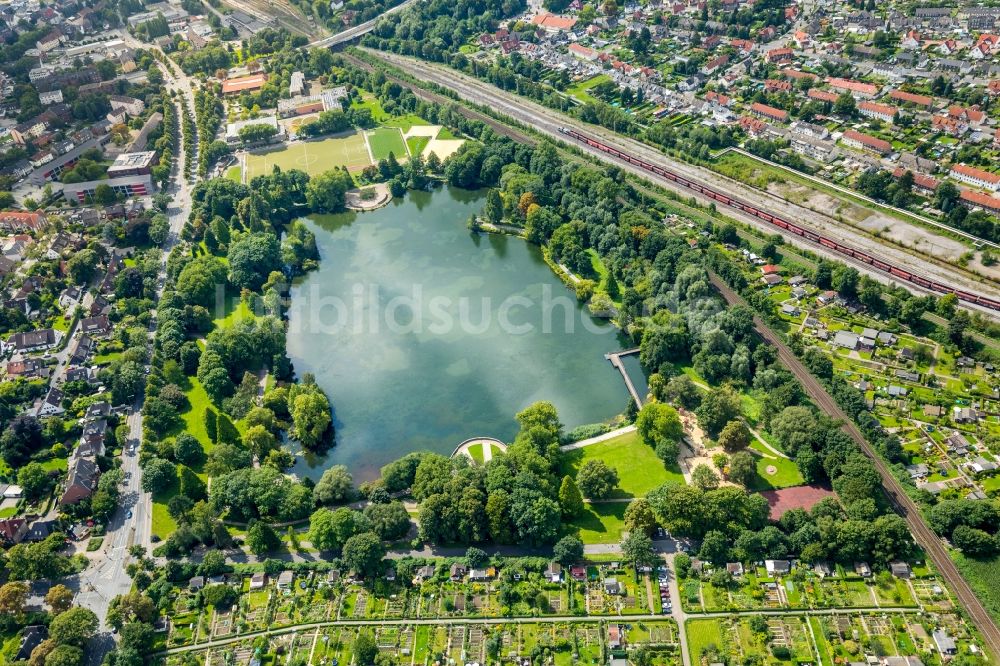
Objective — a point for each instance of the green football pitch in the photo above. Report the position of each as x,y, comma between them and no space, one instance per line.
385,140
313,157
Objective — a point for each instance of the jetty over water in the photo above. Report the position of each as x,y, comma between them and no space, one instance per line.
616,361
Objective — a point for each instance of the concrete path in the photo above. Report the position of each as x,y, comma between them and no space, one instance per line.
763,442
598,439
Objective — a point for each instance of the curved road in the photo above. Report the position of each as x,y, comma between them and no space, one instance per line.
905,506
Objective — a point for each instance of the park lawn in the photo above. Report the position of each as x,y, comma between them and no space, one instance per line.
235,174
703,633
55,465
639,470
581,90
386,141
163,524
194,417
314,157
786,473
600,523
476,451
235,310
416,144
370,102
446,134
405,122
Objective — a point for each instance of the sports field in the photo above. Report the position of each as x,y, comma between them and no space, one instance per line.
313,157
385,140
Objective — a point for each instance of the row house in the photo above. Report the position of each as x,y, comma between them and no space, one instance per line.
769,112
922,101
856,88
865,142
974,199
822,95
883,112
975,177
780,56
922,182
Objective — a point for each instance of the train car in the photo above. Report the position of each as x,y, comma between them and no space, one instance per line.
783,224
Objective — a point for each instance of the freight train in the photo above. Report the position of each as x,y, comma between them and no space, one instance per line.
770,218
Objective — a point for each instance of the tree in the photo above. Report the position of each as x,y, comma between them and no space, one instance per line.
252,257
187,449
336,485
74,627
133,606
974,542
64,655
310,417
638,548
718,407
568,550
795,427
363,553
159,228
639,516
493,210
82,266
325,193
742,468
703,477
389,521
13,596
660,427
261,538
34,481
158,475
200,280
845,105
735,436
365,649
714,547
596,479
570,498
59,598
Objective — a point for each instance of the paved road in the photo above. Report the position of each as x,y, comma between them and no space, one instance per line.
106,576
905,506
549,121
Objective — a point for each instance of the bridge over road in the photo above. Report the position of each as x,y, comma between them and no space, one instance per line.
359,30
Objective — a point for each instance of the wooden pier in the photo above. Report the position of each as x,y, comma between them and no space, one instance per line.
616,361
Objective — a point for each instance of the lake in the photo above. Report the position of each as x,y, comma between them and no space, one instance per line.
423,333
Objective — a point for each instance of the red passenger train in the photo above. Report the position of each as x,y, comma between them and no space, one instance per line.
808,234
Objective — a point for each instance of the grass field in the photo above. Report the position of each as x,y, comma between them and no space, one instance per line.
984,577
235,174
600,523
639,470
786,473
701,634
385,140
581,90
416,144
313,157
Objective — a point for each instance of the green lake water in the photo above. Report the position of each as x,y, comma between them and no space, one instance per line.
424,334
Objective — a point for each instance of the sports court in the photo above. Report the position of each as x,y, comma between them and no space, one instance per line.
313,157
385,140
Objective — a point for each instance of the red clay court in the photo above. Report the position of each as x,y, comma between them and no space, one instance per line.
799,497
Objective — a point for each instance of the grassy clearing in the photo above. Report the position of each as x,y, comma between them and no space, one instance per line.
235,174
163,524
600,523
416,144
639,470
785,473
194,418
581,90
235,309
385,141
405,122
701,634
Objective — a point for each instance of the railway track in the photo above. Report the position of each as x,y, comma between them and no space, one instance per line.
865,258
901,502
549,122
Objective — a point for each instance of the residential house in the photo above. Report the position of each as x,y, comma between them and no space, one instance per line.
865,142
81,480
883,112
975,177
